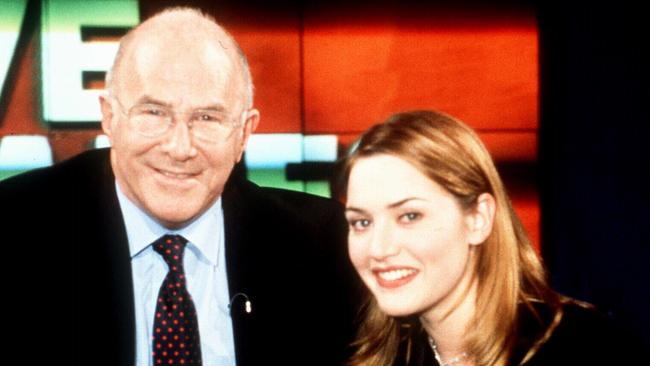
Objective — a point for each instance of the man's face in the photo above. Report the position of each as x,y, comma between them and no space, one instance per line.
175,177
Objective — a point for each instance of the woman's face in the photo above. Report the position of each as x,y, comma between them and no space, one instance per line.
409,239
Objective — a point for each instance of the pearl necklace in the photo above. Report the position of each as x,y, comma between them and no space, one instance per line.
436,354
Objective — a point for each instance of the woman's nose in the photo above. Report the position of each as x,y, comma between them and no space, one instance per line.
383,243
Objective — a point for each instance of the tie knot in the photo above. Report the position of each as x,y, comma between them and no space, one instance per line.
171,247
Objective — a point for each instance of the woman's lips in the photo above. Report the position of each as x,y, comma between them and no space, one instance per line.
394,277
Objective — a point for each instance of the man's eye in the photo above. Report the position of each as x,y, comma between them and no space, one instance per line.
209,117
156,112
149,110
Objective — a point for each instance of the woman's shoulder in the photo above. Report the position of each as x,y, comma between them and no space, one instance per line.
586,336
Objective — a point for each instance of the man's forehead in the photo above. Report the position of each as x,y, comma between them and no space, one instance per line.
179,65
157,52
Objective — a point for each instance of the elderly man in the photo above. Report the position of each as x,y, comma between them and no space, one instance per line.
152,250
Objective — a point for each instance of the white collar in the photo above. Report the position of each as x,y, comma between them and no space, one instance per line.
202,234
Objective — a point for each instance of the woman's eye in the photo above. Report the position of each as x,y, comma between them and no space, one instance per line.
410,217
359,224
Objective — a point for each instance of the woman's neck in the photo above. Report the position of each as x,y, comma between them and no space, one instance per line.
447,321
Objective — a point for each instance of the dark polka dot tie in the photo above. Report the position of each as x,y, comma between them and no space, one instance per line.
175,327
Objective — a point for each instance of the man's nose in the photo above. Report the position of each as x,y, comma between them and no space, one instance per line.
179,143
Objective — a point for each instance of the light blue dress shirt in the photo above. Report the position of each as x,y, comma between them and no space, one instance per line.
205,271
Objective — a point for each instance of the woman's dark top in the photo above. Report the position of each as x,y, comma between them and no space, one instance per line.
583,337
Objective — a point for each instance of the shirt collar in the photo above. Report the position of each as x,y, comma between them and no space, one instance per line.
203,234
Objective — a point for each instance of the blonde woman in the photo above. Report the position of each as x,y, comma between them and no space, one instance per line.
453,277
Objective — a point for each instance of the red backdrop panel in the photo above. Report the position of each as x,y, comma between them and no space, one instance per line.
356,74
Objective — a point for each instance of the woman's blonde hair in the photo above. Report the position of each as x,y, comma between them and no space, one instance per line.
510,275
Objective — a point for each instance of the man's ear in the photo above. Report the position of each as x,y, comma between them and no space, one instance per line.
107,115
250,125
481,219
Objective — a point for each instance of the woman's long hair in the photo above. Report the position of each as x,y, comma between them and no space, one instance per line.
509,274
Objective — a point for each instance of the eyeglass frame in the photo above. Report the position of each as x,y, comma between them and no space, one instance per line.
231,123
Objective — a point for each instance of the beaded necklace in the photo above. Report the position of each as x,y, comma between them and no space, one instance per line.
453,361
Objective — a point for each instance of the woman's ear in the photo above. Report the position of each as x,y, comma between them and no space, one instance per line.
480,219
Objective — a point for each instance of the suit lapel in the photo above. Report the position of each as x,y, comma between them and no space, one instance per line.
240,267
111,232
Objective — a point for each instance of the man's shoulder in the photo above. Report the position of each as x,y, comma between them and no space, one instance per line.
68,181
278,214
298,200
282,202
83,166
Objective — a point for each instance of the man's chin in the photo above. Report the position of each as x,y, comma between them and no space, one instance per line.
174,222
175,216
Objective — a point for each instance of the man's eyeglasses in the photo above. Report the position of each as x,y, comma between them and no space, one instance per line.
154,120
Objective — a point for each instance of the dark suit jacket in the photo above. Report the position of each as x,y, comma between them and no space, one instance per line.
285,250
